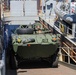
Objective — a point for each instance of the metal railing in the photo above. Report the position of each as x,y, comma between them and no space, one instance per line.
69,31
68,52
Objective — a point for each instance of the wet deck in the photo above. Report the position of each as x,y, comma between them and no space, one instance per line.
61,70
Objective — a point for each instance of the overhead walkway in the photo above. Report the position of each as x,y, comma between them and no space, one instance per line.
21,20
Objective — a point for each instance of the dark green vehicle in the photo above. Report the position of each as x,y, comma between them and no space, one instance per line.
35,42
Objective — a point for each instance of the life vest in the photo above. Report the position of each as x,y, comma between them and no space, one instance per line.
62,28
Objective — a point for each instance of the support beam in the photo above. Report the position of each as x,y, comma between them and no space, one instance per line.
74,30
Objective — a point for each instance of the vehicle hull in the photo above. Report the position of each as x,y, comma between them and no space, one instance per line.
36,51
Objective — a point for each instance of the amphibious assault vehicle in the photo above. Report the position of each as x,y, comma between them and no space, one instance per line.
33,42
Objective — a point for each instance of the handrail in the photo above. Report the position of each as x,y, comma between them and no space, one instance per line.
43,24
69,55
69,48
